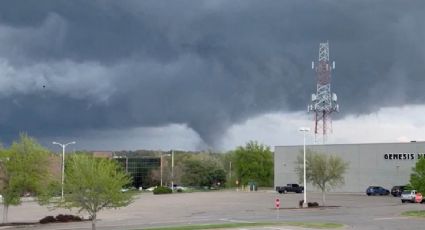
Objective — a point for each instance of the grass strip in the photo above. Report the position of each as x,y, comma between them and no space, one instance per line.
420,213
254,224
317,225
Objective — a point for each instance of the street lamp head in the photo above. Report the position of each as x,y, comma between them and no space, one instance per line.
304,129
63,145
70,143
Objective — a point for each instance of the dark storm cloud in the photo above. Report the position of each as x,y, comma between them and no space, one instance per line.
71,66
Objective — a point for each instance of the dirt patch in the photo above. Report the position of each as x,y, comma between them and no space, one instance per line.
309,208
18,224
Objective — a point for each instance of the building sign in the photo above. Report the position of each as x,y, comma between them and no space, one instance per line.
403,156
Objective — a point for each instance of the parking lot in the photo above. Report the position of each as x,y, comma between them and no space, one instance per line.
355,211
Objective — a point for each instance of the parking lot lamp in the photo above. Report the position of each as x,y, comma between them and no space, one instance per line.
63,162
305,205
172,170
161,168
161,163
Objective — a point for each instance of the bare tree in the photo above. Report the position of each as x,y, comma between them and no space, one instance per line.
322,171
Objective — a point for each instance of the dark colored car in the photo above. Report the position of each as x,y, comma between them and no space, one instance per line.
290,188
398,189
377,190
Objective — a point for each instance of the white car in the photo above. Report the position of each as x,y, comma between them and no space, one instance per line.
179,188
150,189
409,196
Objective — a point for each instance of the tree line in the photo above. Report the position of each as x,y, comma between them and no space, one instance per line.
92,184
250,163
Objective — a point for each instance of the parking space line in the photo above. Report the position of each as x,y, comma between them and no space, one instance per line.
235,221
276,228
391,218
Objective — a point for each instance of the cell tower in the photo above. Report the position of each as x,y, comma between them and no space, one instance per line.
323,102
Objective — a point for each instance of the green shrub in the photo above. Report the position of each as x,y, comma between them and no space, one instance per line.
162,190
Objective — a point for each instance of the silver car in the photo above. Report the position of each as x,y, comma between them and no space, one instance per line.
408,196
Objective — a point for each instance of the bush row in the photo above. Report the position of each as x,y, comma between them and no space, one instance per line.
60,218
162,190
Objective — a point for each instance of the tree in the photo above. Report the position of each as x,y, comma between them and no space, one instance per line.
202,171
322,171
417,178
254,162
93,184
24,169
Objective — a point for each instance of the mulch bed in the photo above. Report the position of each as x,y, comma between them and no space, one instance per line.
309,208
47,220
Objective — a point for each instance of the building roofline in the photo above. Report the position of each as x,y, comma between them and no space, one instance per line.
339,144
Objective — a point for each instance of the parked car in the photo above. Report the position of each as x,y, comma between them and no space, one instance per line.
290,188
179,188
150,189
410,196
377,190
397,190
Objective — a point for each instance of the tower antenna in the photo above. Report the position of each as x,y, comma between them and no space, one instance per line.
323,102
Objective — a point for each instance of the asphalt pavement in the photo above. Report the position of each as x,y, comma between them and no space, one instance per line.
354,211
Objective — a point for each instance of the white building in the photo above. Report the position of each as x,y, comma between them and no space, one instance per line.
380,164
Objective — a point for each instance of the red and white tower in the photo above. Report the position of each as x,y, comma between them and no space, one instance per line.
323,102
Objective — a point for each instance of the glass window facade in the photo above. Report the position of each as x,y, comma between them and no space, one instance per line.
140,169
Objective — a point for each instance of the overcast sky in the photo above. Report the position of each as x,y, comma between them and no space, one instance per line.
193,75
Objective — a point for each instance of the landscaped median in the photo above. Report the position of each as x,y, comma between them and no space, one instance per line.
313,225
420,213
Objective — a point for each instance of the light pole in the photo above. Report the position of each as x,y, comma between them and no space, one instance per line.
230,174
172,170
63,161
305,205
161,163
161,168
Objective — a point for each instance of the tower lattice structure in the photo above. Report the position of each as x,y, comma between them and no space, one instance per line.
323,102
